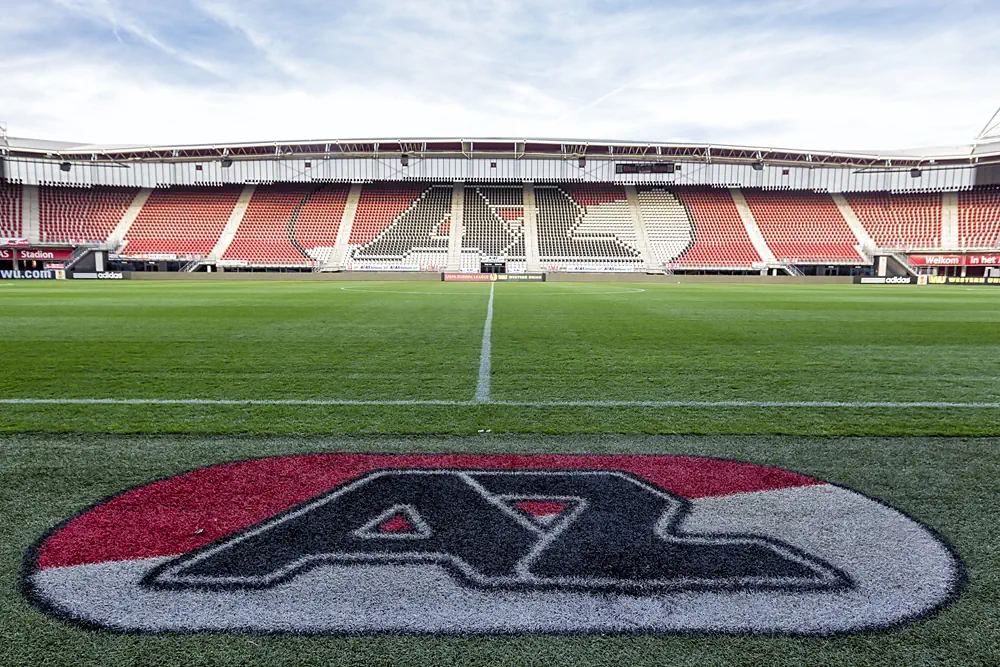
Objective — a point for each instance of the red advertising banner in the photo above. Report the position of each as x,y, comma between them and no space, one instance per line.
45,254
37,254
935,260
955,260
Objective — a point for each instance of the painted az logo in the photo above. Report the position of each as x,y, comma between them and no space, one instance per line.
478,544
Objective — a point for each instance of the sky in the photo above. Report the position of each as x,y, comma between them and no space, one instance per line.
810,74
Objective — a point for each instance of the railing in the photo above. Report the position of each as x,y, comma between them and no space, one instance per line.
78,253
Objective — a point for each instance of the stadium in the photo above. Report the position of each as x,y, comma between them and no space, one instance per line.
503,206
495,400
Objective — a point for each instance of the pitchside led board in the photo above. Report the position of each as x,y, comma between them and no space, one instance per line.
481,544
493,277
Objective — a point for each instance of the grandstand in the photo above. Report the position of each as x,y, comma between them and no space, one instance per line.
979,219
720,237
183,222
626,210
901,221
10,210
81,215
288,226
587,226
401,226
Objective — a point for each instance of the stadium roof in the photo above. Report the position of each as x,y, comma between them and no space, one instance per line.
986,151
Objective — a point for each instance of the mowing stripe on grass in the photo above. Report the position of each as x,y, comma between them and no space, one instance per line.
483,388
519,404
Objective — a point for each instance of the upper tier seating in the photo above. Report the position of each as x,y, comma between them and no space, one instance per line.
81,215
899,220
10,210
586,224
493,221
181,221
803,226
402,226
289,225
720,237
979,219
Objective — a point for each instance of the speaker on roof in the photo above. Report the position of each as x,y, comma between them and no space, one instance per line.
582,162
404,160
65,166
227,163
758,166
915,173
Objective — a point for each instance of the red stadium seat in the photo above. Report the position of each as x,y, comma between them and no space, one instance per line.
899,220
803,227
10,210
979,218
720,237
81,215
181,221
289,225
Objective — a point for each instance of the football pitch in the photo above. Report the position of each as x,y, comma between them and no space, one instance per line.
889,391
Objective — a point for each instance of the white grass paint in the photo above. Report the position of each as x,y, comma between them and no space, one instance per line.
519,404
483,386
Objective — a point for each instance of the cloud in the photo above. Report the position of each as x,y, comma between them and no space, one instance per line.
812,74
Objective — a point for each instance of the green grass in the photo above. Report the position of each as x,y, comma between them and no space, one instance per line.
554,341
550,342
952,484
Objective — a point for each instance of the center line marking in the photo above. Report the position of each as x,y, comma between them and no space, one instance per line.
483,388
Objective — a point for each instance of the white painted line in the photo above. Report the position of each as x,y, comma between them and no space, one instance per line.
520,404
219,401
749,404
483,388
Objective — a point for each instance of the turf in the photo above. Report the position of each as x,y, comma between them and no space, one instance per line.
950,484
551,342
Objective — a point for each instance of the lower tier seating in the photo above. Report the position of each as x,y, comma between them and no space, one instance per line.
668,228
403,226
493,222
899,220
185,222
720,237
579,225
979,218
10,210
81,215
289,225
584,225
803,226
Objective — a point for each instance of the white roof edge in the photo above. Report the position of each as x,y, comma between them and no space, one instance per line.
986,146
